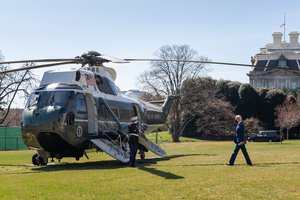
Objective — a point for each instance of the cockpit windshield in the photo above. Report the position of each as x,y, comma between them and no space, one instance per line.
51,98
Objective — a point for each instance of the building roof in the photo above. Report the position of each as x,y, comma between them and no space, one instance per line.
264,65
278,54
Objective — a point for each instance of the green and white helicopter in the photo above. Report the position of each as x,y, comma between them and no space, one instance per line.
75,110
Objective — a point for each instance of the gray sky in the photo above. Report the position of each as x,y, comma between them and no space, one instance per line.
226,31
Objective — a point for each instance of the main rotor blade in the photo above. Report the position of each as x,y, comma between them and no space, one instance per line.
36,67
38,60
211,62
113,59
192,61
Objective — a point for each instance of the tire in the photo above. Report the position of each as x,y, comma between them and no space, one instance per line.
43,161
35,159
39,160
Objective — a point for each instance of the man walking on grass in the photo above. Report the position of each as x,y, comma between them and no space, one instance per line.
240,142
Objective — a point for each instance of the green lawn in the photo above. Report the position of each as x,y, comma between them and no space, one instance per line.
193,169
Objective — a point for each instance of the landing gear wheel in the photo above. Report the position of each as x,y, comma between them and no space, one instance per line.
38,160
43,161
35,159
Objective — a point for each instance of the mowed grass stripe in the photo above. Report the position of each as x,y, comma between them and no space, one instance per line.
193,169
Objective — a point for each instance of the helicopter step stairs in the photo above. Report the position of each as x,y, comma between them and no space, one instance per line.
112,149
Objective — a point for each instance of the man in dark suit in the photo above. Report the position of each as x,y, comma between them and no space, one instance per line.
240,142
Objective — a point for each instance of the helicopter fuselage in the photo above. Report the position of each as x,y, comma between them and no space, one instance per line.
69,108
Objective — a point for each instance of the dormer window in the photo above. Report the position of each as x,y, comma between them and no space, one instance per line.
282,61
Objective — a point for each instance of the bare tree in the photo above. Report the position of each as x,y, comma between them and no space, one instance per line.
12,85
288,115
166,78
14,117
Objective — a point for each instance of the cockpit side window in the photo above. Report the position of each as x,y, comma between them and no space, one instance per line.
80,103
45,98
105,85
40,99
64,99
33,100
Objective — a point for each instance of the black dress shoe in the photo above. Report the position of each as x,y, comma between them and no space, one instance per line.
229,164
250,164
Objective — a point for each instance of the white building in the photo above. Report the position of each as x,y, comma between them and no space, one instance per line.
277,54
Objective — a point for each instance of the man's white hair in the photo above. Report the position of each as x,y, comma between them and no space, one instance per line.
238,117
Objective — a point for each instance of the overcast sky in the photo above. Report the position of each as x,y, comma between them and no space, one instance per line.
226,31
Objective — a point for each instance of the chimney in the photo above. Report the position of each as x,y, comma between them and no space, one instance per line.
294,39
277,36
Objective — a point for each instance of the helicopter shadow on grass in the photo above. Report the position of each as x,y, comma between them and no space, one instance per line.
145,165
154,171
167,175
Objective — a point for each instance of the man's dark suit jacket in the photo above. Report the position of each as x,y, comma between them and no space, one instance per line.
239,133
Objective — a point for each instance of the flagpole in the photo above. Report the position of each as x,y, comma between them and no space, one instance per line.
284,27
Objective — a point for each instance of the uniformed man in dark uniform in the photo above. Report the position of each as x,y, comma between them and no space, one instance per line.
133,130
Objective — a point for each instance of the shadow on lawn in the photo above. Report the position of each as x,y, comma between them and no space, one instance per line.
106,164
145,165
166,175
273,164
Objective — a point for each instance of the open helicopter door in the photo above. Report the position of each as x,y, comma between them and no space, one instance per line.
145,142
114,146
92,115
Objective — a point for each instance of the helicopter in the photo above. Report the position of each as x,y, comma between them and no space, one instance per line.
80,109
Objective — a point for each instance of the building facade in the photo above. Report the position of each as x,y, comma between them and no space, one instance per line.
277,54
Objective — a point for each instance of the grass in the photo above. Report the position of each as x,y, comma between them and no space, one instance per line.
193,169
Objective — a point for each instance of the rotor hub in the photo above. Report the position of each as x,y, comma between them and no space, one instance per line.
91,58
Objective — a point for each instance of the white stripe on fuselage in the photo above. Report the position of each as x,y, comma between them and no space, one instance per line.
81,120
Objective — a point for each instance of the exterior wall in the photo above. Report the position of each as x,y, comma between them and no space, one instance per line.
275,81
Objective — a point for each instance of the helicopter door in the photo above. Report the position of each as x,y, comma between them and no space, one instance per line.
92,114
